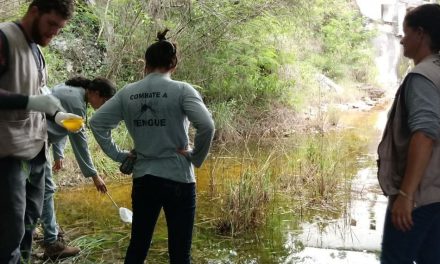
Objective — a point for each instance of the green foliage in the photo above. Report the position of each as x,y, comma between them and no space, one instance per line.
344,41
84,24
127,28
224,114
76,50
56,69
244,56
12,15
233,49
242,67
237,51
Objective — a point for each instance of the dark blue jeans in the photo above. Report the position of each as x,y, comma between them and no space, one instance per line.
149,195
421,244
21,201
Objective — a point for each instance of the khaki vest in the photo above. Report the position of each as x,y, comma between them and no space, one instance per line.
393,148
22,133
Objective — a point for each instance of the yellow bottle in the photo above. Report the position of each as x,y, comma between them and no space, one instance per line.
72,124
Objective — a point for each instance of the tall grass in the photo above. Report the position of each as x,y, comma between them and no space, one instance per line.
245,199
314,170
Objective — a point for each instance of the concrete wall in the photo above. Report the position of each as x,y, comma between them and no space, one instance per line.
389,11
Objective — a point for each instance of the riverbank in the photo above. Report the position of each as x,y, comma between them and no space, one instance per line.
310,196
275,123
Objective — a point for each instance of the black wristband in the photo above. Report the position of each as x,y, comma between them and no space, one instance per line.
52,117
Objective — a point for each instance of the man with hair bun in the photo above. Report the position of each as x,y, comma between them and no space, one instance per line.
409,153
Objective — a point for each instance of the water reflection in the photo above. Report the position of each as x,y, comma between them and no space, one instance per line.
349,239
361,229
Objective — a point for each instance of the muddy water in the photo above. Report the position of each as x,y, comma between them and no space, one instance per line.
349,234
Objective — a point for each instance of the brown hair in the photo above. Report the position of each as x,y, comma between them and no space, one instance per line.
426,17
103,86
162,53
62,7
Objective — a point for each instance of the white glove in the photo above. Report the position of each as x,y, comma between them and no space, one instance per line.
44,103
61,116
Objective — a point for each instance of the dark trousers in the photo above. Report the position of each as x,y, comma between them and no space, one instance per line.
149,195
21,200
420,244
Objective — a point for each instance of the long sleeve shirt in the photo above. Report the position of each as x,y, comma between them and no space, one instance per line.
72,100
157,112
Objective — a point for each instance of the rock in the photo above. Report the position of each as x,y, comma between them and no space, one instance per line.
328,83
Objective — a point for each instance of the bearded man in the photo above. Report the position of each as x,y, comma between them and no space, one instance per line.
23,134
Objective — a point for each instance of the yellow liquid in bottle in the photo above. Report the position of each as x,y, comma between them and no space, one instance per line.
73,124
